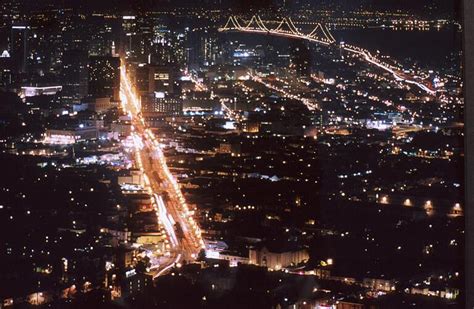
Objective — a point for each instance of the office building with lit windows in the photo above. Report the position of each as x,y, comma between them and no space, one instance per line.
104,77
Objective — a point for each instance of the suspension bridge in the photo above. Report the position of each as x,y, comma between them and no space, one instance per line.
285,28
321,35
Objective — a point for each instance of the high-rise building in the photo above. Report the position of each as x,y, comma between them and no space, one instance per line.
342,46
158,104
202,48
129,28
300,58
160,89
136,38
6,74
209,49
164,79
101,33
168,46
19,47
74,75
104,77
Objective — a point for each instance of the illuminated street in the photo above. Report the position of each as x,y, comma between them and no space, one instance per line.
233,154
160,181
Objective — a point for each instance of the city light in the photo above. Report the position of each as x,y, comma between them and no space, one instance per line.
304,154
147,145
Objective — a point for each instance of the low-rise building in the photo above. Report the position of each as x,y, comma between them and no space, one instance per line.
277,257
379,284
134,283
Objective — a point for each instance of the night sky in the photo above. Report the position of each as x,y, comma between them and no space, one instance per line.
415,6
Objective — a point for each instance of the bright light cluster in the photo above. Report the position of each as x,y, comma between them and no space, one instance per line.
143,137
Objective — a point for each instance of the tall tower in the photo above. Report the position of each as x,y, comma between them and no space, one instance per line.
300,57
74,75
19,47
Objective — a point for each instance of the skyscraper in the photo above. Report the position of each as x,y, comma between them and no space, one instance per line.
129,28
104,77
152,78
74,75
300,58
19,47
157,104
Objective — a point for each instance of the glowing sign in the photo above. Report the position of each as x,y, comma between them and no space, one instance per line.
130,273
229,125
211,254
161,76
159,95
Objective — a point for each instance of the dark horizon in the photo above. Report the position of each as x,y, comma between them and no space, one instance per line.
418,7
